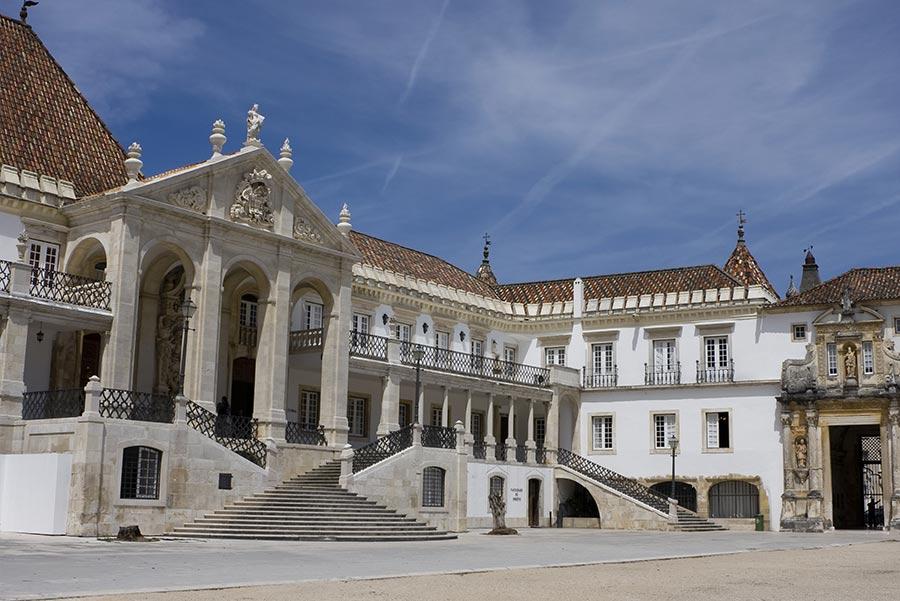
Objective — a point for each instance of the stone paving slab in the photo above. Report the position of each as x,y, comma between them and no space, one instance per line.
38,567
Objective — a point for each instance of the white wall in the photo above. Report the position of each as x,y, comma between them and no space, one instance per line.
516,494
10,228
34,492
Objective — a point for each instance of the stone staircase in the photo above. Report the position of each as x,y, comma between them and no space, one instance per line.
310,507
691,522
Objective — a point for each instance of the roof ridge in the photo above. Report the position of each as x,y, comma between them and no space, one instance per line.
624,273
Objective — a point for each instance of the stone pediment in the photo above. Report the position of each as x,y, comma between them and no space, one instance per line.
848,315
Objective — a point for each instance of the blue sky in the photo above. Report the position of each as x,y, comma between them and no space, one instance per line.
586,137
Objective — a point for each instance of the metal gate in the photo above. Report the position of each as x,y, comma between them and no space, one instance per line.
870,463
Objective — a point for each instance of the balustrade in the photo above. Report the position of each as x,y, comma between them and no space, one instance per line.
52,404
368,346
609,379
306,340
69,288
715,375
658,375
441,359
296,433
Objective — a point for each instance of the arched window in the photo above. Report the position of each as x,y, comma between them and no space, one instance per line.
497,486
733,499
140,473
685,494
432,487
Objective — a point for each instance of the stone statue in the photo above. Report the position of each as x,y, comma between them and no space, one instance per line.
798,375
850,363
846,303
254,125
801,451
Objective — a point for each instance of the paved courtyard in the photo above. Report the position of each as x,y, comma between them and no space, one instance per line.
35,567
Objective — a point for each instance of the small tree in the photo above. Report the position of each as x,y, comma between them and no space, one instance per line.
498,511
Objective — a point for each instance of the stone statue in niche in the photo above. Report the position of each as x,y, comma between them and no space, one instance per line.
801,451
251,200
850,372
168,331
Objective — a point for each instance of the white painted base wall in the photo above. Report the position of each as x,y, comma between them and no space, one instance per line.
34,492
516,494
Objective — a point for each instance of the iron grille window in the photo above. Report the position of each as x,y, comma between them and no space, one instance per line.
685,494
718,430
309,409
497,487
432,487
663,429
733,499
140,473
831,353
868,358
603,432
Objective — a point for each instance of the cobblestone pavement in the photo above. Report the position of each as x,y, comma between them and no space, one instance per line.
35,567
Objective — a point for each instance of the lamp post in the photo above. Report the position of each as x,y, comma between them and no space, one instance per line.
417,355
673,444
187,311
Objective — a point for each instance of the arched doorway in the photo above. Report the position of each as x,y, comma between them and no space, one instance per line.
243,379
534,502
685,494
575,501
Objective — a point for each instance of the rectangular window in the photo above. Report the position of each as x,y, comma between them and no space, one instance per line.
403,416
140,473
247,313
716,352
718,430
663,429
312,316
356,416
360,323
43,255
602,355
603,432
868,358
798,332
441,339
664,355
477,354
831,356
309,409
436,415
401,331
540,430
555,355
510,353
477,426
897,326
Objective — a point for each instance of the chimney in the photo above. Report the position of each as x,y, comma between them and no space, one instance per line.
810,277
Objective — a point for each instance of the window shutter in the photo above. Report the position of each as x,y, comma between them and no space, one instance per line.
712,430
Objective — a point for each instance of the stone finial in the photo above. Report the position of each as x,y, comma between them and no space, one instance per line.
217,138
286,160
254,126
133,163
344,226
22,245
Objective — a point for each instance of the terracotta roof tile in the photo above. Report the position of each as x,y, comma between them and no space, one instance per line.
744,267
865,284
46,125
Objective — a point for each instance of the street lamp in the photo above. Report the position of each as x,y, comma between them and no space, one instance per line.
417,353
186,309
673,444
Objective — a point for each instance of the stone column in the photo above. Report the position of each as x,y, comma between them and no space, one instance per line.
13,342
390,404
551,436
123,270
511,433
336,364
86,499
468,416
270,389
894,419
814,439
445,408
420,417
530,445
203,364
489,441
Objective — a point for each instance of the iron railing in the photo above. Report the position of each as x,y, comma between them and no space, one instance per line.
521,453
623,484
381,449
368,346
500,451
296,433
658,375
52,404
540,455
441,359
247,336
438,437
307,340
237,433
69,288
479,451
137,406
609,379
5,275
715,375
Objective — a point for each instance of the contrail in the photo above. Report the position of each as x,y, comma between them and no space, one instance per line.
423,51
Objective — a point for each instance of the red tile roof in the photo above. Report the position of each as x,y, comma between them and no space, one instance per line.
743,266
865,284
46,125
678,279
400,259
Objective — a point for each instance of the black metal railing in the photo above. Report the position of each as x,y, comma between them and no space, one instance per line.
307,340
608,379
5,275
368,346
540,455
438,437
52,404
479,451
237,433
247,336
715,375
521,453
69,288
296,433
473,365
627,486
658,375
137,406
500,451
381,449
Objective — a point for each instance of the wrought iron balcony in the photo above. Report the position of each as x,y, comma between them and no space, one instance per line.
368,346
307,340
479,451
52,404
521,453
661,375
69,288
438,437
5,275
540,455
440,359
608,379
297,433
247,336
500,451
715,375
137,406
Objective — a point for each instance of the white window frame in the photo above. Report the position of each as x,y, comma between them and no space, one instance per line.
606,431
716,352
669,429
603,358
477,433
248,313
794,337
313,315
868,352
555,355
510,353
831,359
308,409
357,416
437,413
713,446
540,430
442,340
360,323
43,255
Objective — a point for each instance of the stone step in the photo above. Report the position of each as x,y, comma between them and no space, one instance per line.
357,538
205,524
304,519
